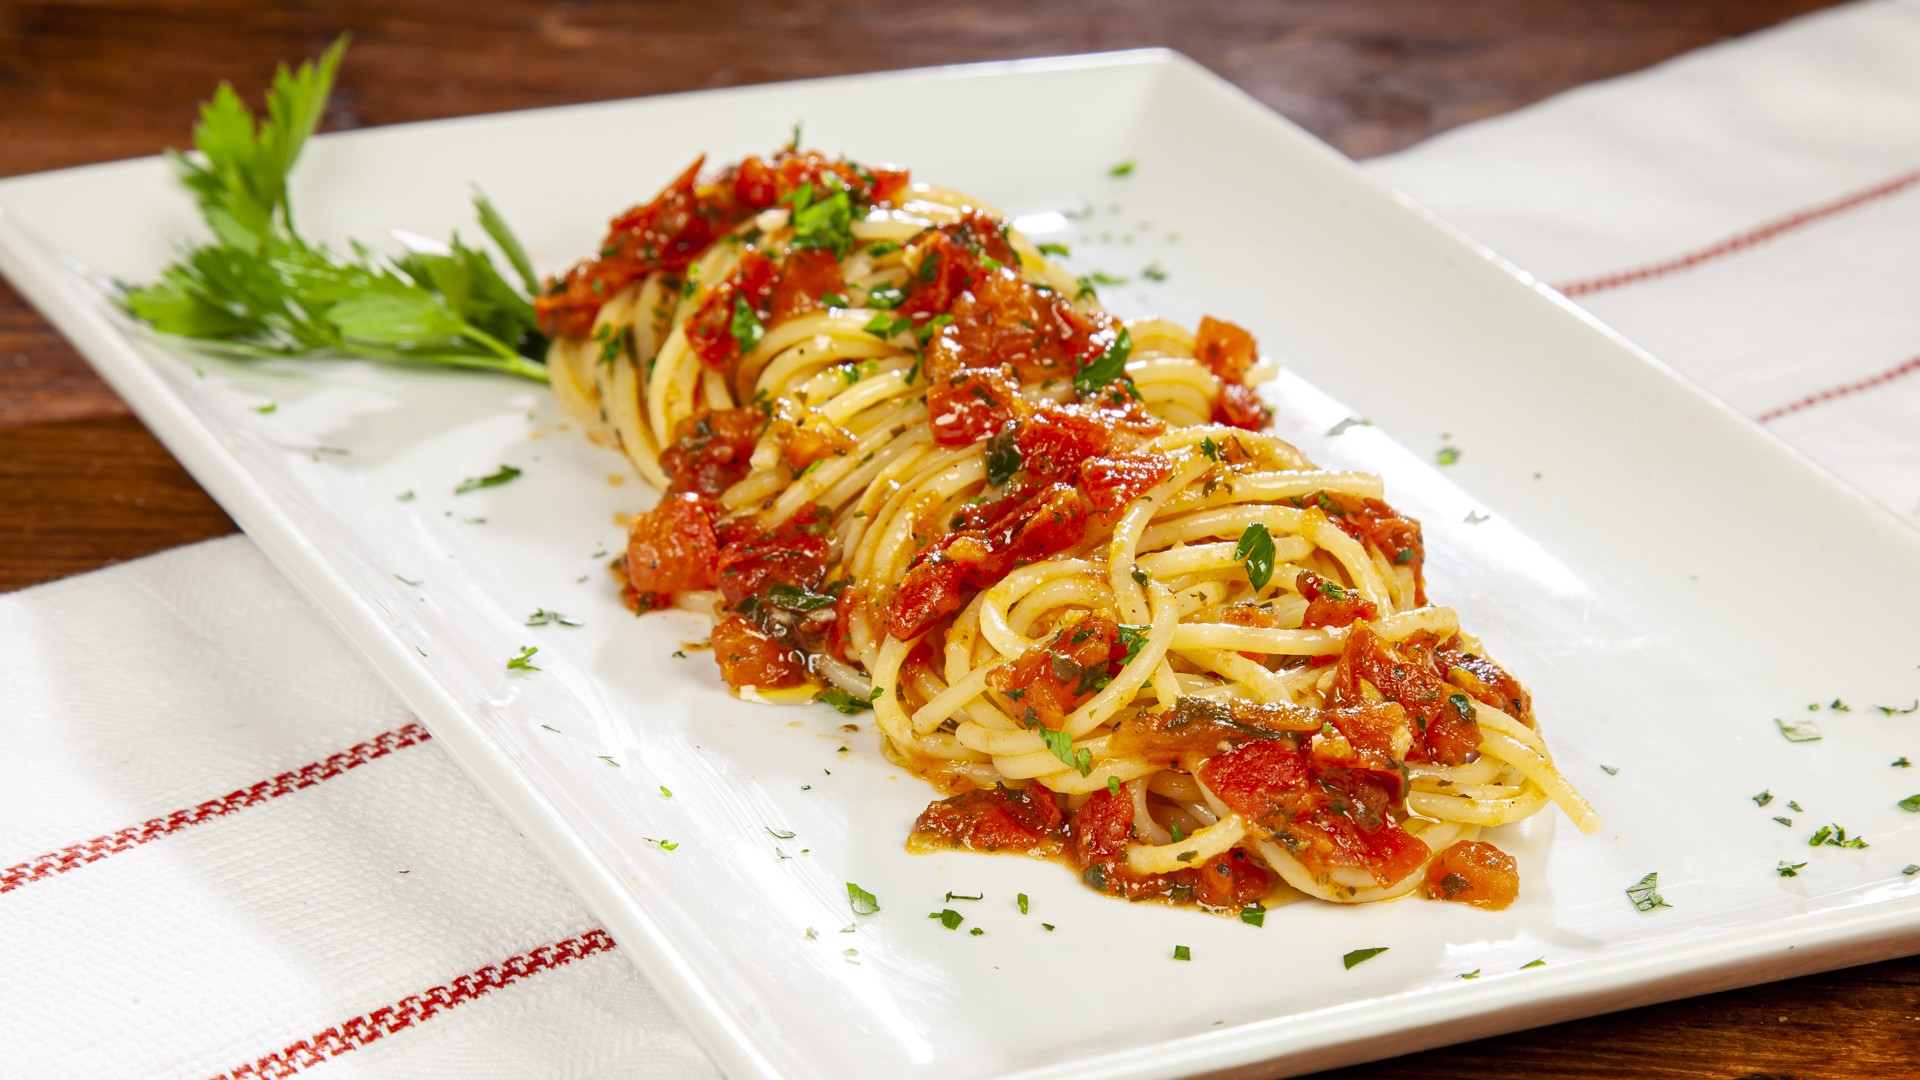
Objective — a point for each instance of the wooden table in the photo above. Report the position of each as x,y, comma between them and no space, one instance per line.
82,484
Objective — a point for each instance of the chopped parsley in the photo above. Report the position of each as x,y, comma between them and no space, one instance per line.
747,329
778,834
952,896
886,297
1086,288
948,917
1133,637
1361,956
665,793
886,327
1541,962
1256,550
609,761
1911,869
1003,456
408,581
542,617
845,702
1888,710
1763,798
1125,168
826,225
1645,894
1902,763
1210,448
1021,900
1111,365
268,408
1474,974
795,598
1787,869
1911,804
1100,278
1181,952
1610,770
1447,455
862,901
475,483
1113,786
1154,272
663,845
523,662
1046,926
1350,422
1061,744
1254,914
1799,730
1835,836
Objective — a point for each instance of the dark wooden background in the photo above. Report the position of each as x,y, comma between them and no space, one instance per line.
82,484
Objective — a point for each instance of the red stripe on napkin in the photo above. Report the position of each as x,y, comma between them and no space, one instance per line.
1761,235
408,1011
1844,389
77,855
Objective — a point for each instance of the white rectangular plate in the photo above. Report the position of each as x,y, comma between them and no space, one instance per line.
1666,578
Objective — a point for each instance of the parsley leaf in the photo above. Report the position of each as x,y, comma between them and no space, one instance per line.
542,617
1021,900
1003,456
948,917
1111,365
1256,550
747,329
1361,956
862,901
845,702
259,289
1645,894
1055,248
475,483
1125,168
1061,745
1254,914
523,662
1787,869
1911,804
1181,952
795,598
1799,730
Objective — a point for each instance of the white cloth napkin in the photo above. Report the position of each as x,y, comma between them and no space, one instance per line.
226,849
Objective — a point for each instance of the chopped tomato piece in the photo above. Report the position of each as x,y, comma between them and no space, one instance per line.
1405,673
805,276
1114,481
1239,406
970,405
1058,438
794,554
748,657
1000,321
1045,524
1383,528
1486,681
947,262
1102,827
1225,348
671,548
1330,603
1049,681
712,453
994,819
1474,872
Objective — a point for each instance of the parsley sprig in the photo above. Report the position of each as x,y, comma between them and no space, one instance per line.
262,290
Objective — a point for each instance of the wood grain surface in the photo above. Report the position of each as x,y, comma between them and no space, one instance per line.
82,484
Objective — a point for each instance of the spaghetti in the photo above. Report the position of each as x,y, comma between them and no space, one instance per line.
911,465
